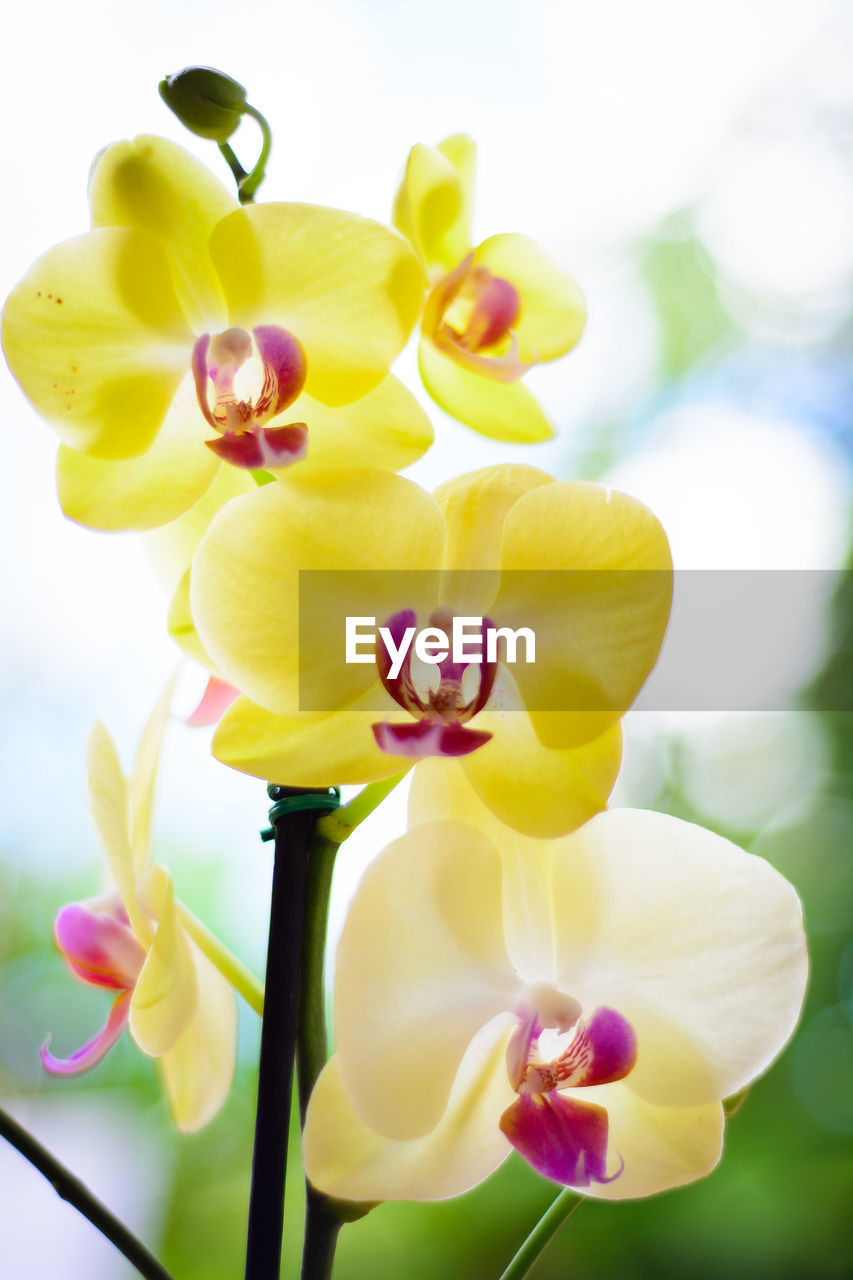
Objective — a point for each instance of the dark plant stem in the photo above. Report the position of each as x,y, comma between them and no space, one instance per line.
278,1041
70,1188
321,1223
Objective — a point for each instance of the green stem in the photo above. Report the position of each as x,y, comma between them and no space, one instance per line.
554,1217
233,163
233,970
70,1188
337,826
248,187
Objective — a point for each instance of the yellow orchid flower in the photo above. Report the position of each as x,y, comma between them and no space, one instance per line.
587,1002
139,340
132,941
592,565
493,311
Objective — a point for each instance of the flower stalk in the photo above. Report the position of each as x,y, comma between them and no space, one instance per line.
76,1193
293,827
232,969
553,1219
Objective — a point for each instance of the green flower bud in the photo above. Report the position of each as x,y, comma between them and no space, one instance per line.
206,101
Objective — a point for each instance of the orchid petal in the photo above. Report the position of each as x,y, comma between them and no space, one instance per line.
156,186
345,1158
661,1147
421,967
386,428
599,619
433,204
439,791
501,411
553,310
562,1138
542,791
170,548
110,808
417,740
166,995
95,336
99,947
146,491
144,776
90,1054
245,579
698,944
348,288
308,750
199,1067
215,701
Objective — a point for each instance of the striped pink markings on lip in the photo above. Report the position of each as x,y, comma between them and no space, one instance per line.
439,727
562,1137
243,437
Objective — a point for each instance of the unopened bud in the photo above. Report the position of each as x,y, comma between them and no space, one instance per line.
206,101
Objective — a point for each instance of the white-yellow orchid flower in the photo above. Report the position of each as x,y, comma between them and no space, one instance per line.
587,1001
131,941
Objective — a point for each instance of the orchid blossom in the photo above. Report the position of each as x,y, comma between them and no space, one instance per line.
493,311
131,942
183,331
587,1002
541,746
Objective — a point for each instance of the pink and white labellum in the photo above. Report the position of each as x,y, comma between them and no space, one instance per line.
440,714
565,1138
100,948
244,439
470,316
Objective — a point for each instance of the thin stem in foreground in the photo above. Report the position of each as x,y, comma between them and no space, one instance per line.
278,1042
70,1188
554,1217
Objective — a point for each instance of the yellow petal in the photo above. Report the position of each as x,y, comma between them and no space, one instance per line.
553,310
501,411
346,1159
157,186
542,791
698,944
171,547
434,202
166,994
110,808
662,1147
245,579
144,492
309,750
199,1067
474,507
95,336
440,790
144,776
599,620
182,628
387,429
349,289
421,968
